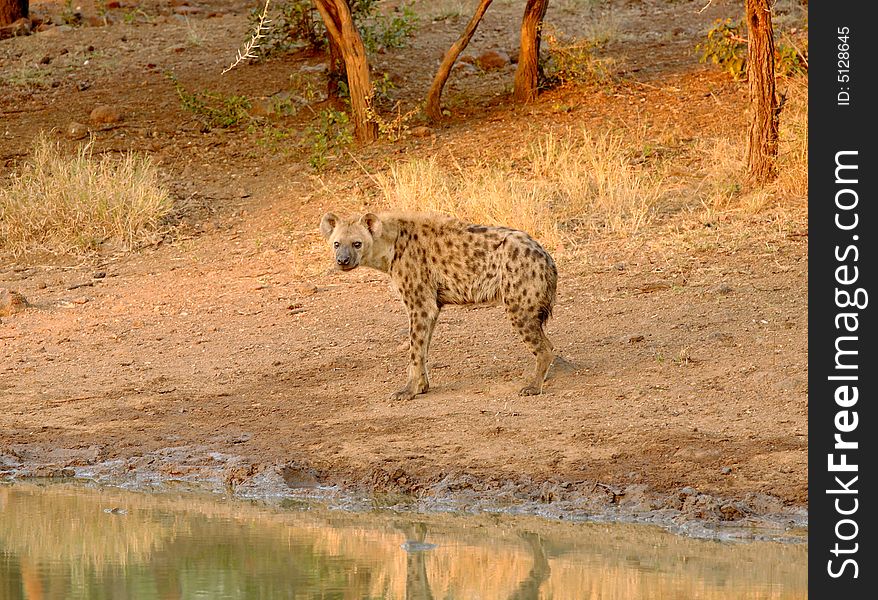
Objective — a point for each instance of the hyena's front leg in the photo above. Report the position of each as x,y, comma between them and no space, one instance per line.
422,318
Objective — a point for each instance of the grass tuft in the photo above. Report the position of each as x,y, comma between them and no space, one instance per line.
566,187
71,205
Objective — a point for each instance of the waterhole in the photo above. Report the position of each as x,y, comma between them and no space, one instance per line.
67,542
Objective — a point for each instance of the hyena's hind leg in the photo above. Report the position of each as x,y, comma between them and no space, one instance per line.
530,325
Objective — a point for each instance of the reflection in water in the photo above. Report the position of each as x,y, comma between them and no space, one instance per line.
68,542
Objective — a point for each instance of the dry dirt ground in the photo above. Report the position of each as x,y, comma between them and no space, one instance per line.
232,352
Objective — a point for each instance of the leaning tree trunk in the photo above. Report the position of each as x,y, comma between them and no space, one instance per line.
764,110
339,24
12,10
432,107
527,76
336,71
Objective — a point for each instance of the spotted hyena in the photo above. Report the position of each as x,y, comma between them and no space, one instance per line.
434,261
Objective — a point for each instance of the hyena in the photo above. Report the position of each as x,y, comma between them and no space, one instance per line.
434,260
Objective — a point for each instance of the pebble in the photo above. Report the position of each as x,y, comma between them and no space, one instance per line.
76,130
105,114
11,302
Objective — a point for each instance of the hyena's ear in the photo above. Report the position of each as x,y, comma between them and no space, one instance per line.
327,224
371,222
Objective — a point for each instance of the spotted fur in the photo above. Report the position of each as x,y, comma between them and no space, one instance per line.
434,261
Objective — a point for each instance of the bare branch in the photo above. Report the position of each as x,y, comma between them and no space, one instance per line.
246,53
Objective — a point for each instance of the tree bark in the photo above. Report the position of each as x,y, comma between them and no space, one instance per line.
764,109
336,71
12,10
339,24
432,107
527,75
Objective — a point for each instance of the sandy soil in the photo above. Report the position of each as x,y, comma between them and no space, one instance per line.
233,352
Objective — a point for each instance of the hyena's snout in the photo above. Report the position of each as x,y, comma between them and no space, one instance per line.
346,258
343,257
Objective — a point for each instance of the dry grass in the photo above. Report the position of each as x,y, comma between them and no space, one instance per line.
577,185
567,187
791,187
64,204
720,163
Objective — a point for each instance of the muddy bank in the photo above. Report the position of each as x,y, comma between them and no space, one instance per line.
685,511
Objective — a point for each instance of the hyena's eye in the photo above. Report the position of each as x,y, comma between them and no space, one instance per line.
358,245
335,245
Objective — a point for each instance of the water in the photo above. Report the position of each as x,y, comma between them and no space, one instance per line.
70,542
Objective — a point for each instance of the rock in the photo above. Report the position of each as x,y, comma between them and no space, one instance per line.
633,339
725,470
421,131
724,288
105,114
76,131
492,59
11,302
686,492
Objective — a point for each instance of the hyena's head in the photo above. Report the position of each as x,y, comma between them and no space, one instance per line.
351,239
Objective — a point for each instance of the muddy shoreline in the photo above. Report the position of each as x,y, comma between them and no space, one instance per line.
687,511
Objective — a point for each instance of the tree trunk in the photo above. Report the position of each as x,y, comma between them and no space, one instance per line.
764,109
339,24
432,107
336,72
527,75
12,10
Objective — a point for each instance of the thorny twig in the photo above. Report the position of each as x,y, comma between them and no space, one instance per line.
247,52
